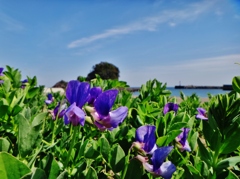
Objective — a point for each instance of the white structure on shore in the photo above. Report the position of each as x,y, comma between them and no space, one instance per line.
54,90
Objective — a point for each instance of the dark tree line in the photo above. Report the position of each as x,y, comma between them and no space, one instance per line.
105,70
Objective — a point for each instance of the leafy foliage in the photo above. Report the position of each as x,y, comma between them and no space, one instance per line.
33,145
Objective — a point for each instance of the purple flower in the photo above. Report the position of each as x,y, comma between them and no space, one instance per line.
145,139
1,71
201,114
1,74
49,98
159,167
58,108
24,83
77,92
170,107
104,118
182,140
94,92
75,115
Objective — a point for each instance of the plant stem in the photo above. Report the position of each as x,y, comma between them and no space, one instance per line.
72,144
126,164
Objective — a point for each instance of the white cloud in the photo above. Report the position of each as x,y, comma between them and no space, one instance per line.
191,12
206,71
9,23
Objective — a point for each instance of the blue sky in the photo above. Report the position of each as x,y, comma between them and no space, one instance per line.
196,42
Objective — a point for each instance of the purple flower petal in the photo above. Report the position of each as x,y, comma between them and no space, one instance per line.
94,93
170,107
75,115
105,101
77,92
25,81
146,135
182,139
72,91
112,120
50,98
1,71
201,114
159,155
117,116
62,110
167,169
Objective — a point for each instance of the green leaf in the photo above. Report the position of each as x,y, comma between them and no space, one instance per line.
117,158
161,140
54,170
228,162
133,166
11,168
91,173
193,141
203,169
32,92
104,147
90,150
50,166
6,85
172,135
62,175
4,145
236,83
231,141
204,153
29,135
232,175
36,174
177,125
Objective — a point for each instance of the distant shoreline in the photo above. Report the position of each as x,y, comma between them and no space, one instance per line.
179,100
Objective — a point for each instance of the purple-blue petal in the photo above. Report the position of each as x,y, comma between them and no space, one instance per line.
159,155
62,110
183,135
146,135
201,114
94,93
117,116
1,71
170,107
105,101
75,115
25,81
83,94
72,91
49,96
167,169
77,92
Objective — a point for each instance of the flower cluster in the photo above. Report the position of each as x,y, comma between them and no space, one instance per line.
99,105
146,144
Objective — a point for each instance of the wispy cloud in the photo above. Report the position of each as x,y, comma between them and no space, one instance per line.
219,63
9,23
205,71
171,17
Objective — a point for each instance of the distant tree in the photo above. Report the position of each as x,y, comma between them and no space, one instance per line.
61,84
105,70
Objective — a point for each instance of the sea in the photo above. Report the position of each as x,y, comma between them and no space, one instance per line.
203,93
